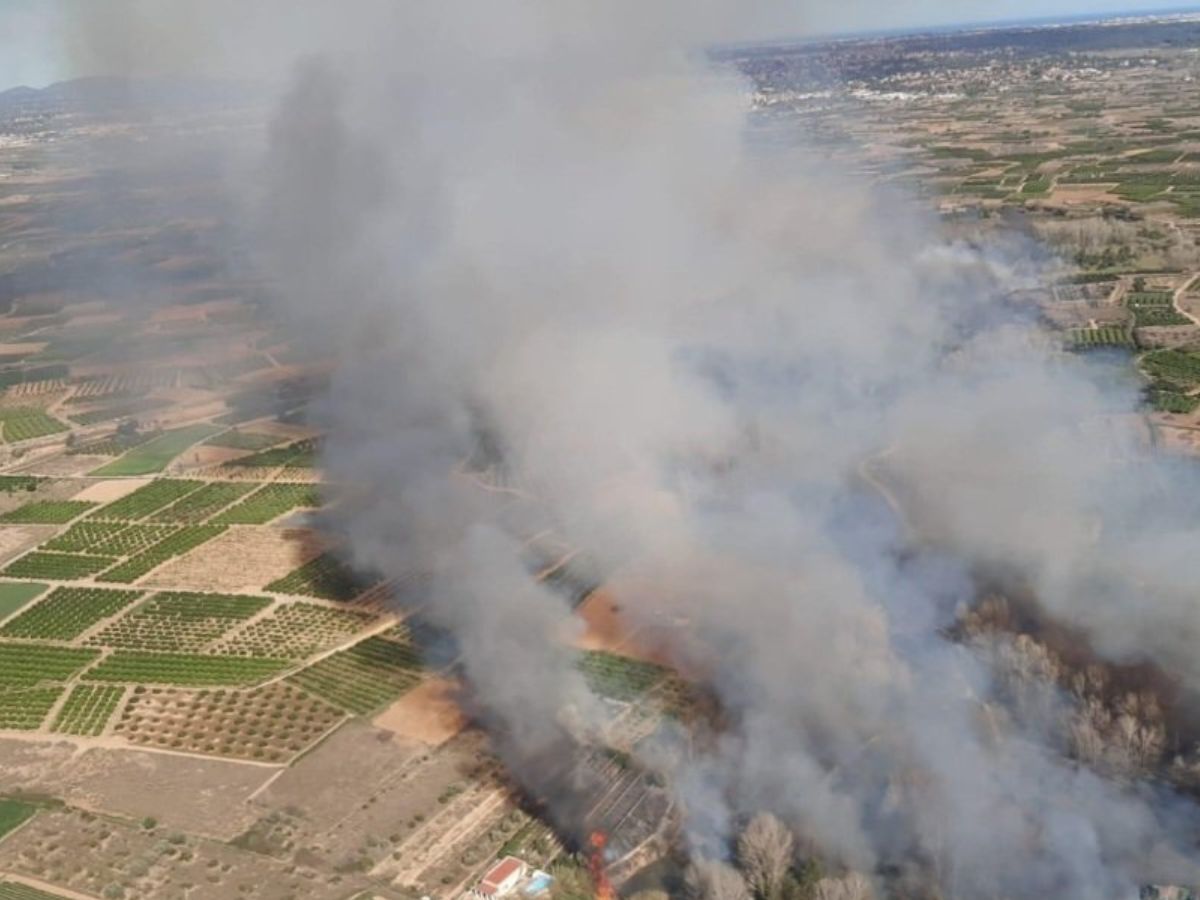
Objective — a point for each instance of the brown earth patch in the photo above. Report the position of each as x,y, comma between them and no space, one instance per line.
429,713
241,559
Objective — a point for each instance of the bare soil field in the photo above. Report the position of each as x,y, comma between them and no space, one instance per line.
240,560
206,796
215,456
62,465
16,539
108,491
428,713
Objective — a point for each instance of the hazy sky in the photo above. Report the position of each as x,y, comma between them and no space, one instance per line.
31,30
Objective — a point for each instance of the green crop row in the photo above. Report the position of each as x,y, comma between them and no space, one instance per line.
47,512
199,505
66,613
179,621
618,677
364,677
27,664
146,500
24,710
25,424
82,535
57,566
184,669
87,709
180,542
270,502
325,577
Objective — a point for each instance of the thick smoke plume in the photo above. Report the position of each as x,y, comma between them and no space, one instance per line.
543,223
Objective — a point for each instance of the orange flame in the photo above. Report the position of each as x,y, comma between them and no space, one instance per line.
604,889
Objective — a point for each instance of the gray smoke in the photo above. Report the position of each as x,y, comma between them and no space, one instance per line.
543,221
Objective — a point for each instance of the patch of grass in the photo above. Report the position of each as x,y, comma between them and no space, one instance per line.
47,512
15,594
12,814
157,453
184,669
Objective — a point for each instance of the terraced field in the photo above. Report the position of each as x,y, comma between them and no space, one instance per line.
271,723
47,512
324,577
87,709
199,505
184,669
270,502
178,543
67,613
24,665
146,500
178,621
58,566
24,710
364,677
295,631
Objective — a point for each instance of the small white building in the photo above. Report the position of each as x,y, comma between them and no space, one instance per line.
501,879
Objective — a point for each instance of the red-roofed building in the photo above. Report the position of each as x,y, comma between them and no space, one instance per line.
501,879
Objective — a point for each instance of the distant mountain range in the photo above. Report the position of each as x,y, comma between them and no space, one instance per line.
108,94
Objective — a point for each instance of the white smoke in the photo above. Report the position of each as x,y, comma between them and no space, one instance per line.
543,219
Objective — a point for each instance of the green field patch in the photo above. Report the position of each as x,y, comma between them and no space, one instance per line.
47,512
25,709
81,536
1157,156
244,440
113,445
1095,338
1138,192
25,665
270,502
325,577
1152,308
157,453
15,594
178,543
295,630
57,566
184,669
364,677
1166,399
23,424
1180,368
199,505
87,709
67,612
12,890
296,455
177,621
12,814
618,677
133,539
12,483
146,500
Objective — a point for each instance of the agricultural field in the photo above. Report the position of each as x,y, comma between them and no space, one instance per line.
12,483
80,537
270,502
157,453
295,631
297,455
14,595
14,813
325,577
26,665
618,677
67,613
1154,308
47,512
183,669
23,424
364,677
269,724
174,622
87,709
1103,336
178,543
146,500
58,566
244,440
199,505
15,890
25,709
133,539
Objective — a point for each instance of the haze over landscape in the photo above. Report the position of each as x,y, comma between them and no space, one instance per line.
488,451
